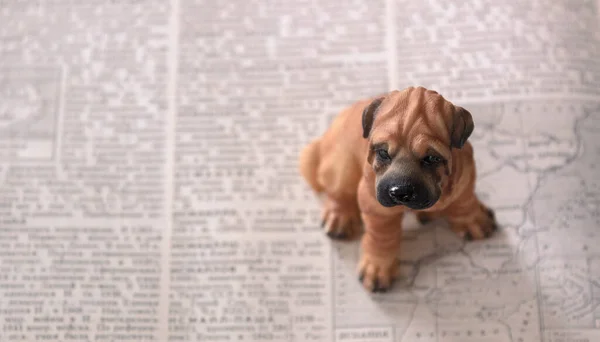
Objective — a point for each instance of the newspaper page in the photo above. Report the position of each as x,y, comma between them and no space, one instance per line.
148,170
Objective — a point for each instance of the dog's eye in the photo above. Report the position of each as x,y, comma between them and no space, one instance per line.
383,155
432,160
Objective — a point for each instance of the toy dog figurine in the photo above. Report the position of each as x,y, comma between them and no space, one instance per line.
401,151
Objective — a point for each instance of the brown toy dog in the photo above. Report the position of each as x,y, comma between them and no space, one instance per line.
401,151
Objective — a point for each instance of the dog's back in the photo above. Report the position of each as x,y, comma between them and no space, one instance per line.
333,162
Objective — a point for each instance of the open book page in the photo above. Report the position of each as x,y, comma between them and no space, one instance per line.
149,186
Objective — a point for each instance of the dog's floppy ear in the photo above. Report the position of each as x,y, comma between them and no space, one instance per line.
368,116
462,127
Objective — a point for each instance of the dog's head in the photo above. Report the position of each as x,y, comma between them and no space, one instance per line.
411,134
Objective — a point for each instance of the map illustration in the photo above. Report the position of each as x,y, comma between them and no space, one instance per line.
539,275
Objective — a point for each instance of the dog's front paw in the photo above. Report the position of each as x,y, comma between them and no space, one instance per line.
479,226
377,273
340,222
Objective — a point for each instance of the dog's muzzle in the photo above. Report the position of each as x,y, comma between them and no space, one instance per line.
409,193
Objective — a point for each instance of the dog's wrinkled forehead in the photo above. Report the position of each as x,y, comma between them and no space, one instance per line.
416,114
415,111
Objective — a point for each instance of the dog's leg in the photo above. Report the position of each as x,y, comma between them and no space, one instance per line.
380,244
340,217
470,218
338,176
340,214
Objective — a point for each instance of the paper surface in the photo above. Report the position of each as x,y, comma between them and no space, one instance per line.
148,170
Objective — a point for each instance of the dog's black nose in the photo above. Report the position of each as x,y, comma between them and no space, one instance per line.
402,193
